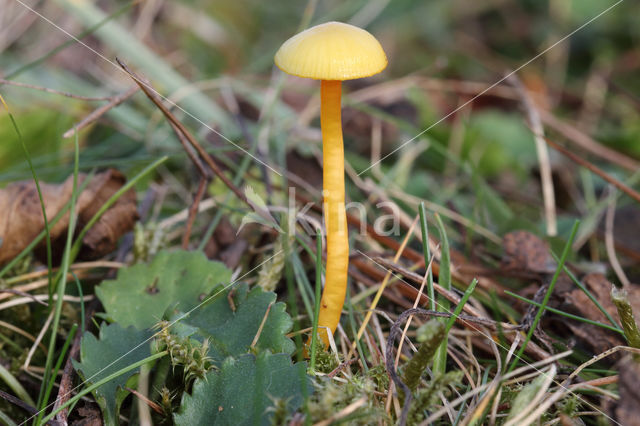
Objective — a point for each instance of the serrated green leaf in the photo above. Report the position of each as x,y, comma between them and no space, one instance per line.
142,293
244,390
115,349
231,326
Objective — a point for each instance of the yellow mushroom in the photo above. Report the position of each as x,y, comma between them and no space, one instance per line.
332,52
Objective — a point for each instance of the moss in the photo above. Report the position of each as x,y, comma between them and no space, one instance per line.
332,397
427,397
326,362
380,377
431,334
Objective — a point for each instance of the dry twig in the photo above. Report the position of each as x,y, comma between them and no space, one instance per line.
114,101
584,163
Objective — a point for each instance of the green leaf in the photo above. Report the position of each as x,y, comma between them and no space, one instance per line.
497,141
142,293
115,349
231,320
244,391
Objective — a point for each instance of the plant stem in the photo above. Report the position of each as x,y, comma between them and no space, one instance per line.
334,209
444,279
427,255
60,286
460,305
40,197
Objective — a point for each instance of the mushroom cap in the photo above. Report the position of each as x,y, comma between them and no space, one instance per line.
332,51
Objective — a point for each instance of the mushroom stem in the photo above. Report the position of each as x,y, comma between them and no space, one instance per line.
334,209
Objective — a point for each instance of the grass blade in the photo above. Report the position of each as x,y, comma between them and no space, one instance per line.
37,182
316,311
566,314
427,255
444,279
48,379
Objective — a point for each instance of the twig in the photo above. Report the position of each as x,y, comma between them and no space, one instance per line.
25,294
259,332
342,366
54,91
584,163
597,358
189,150
193,211
99,112
449,295
157,408
44,330
205,177
194,143
26,407
546,179
183,215
532,348
39,297
587,143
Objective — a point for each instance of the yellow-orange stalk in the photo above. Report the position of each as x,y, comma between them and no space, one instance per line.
334,209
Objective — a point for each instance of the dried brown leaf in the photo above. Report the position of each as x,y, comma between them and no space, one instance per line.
525,252
575,301
22,218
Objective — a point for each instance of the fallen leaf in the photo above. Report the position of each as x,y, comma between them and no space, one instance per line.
525,252
577,302
89,415
22,219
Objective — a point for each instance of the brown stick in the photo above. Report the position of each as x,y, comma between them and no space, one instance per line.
185,144
193,211
584,163
587,143
24,294
18,402
146,88
531,349
99,112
